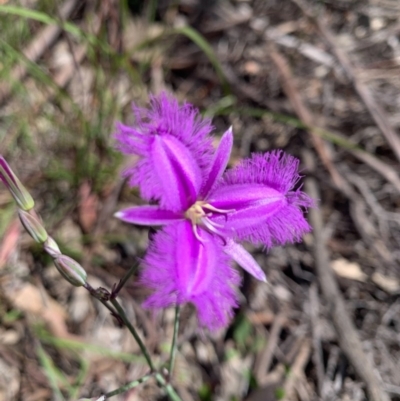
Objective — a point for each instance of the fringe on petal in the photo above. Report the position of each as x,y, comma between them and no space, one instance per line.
279,171
165,118
179,269
274,169
287,225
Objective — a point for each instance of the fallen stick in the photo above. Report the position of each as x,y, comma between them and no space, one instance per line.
297,370
346,332
303,112
358,212
266,355
377,112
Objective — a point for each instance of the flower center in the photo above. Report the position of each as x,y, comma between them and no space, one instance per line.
195,213
199,214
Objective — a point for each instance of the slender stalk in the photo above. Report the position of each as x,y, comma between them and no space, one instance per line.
174,338
124,280
109,307
172,394
120,313
96,295
128,324
128,386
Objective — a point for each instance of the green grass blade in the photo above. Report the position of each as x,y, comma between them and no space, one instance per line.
292,121
202,43
82,346
39,75
51,372
41,17
65,25
83,371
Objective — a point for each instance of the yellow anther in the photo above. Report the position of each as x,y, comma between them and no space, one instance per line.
195,213
199,214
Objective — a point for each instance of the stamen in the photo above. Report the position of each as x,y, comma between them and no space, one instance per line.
213,223
211,226
214,209
198,216
196,233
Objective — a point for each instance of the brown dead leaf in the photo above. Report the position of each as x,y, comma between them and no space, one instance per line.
87,207
344,268
388,284
30,299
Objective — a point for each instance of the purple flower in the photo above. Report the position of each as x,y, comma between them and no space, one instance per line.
204,211
171,141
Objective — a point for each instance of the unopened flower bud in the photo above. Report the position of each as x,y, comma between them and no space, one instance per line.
33,226
71,270
14,185
51,247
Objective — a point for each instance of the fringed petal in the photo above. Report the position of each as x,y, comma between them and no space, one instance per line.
182,132
248,204
275,169
287,225
267,209
180,269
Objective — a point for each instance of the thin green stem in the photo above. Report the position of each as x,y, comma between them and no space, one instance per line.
96,295
128,324
172,394
125,279
128,386
109,307
174,338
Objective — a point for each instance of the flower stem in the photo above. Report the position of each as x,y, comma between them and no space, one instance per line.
124,279
174,338
103,300
172,394
109,307
128,386
128,324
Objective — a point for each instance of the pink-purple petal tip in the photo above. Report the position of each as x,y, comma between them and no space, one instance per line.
147,216
245,260
180,269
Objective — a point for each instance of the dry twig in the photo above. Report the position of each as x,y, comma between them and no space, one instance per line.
317,355
297,370
346,332
377,112
266,355
357,209
303,112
